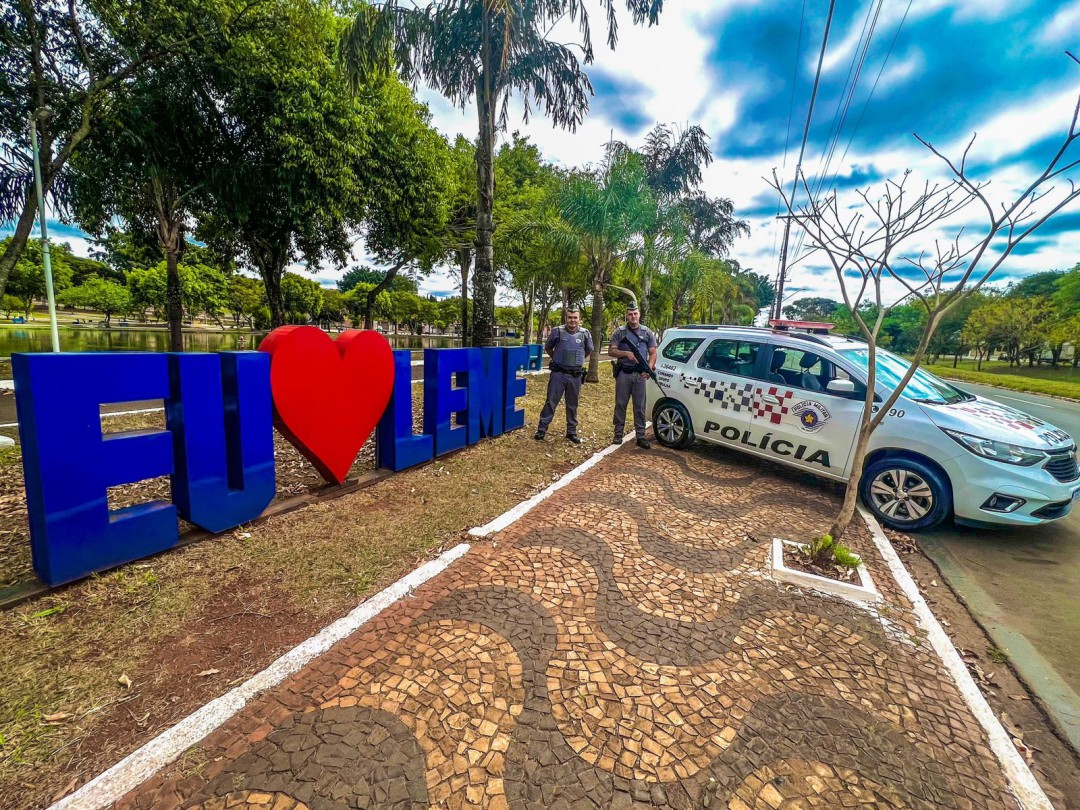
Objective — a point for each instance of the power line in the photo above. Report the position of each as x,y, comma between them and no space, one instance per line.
866,103
847,96
802,150
787,129
857,63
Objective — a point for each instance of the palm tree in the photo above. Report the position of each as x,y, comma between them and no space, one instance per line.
673,164
484,50
602,215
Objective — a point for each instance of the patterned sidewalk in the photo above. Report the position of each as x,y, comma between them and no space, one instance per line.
617,647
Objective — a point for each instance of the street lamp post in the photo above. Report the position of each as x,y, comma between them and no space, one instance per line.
42,114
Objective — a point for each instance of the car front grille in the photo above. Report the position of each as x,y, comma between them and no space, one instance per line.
1062,465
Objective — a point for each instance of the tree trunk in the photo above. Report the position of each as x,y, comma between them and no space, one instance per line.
527,299
174,307
373,293
646,276
483,323
597,331
862,441
18,241
464,263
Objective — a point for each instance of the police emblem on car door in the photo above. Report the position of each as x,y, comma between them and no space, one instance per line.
796,419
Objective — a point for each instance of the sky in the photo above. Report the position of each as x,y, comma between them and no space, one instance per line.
945,69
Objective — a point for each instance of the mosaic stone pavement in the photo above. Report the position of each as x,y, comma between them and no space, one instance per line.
619,647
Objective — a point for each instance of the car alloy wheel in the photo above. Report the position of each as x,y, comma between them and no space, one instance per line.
902,495
670,426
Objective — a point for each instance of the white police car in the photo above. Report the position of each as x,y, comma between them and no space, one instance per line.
796,398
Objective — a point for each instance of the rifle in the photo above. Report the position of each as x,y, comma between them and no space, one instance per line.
643,367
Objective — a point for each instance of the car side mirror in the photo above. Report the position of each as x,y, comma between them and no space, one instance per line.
841,387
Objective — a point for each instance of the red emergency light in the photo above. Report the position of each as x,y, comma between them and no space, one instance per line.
812,327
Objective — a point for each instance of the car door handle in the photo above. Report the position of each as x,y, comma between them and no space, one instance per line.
770,399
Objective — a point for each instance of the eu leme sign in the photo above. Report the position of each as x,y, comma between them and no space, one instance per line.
325,396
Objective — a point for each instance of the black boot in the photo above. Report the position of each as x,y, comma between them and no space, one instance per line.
644,444
573,439
539,435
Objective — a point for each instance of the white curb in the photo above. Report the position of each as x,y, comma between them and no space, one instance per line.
140,765
1024,785
509,517
864,593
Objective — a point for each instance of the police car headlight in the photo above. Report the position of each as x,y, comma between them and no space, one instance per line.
998,451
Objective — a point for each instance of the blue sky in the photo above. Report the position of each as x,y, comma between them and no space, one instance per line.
995,67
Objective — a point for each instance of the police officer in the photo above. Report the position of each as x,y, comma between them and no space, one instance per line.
629,383
569,347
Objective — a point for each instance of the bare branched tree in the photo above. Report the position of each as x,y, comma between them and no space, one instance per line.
878,240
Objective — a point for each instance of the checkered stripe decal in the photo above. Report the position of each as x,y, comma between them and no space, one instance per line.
730,396
1006,417
774,412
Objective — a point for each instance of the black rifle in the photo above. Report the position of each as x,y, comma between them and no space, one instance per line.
643,367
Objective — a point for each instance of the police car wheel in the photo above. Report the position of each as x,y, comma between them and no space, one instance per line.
905,494
671,425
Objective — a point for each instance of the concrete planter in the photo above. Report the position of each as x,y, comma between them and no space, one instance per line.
863,593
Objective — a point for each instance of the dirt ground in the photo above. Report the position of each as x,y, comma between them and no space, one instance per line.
1055,762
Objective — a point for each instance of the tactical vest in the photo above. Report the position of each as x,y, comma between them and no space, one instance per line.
625,336
570,350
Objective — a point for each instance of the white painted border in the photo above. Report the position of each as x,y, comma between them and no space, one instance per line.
1024,785
509,517
140,765
863,593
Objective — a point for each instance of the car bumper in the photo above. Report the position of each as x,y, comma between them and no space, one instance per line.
976,483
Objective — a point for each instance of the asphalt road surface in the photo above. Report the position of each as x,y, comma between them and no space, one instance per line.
1024,584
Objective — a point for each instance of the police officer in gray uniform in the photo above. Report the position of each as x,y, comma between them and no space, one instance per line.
569,347
629,383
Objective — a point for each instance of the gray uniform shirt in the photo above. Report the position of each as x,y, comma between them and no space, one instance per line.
569,349
643,338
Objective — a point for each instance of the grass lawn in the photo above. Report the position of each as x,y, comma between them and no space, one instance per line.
186,626
1063,381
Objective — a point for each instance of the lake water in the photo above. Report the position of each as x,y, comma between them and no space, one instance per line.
36,338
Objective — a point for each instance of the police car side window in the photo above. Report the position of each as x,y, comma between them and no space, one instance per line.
681,349
730,357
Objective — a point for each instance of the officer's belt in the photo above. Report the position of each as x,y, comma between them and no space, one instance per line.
565,369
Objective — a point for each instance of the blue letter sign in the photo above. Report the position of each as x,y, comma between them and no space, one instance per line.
221,417
69,465
218,445
398,447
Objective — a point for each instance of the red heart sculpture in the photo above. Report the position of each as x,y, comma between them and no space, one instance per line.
328,395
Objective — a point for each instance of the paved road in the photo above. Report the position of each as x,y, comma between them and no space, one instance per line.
1024,584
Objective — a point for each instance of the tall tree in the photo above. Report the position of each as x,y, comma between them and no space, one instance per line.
673,164
461,222
601,214
483,51
877,239
27,279
811,309
304,163
144,165
69,59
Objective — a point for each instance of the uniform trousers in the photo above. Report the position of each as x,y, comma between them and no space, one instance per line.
559,384
630,384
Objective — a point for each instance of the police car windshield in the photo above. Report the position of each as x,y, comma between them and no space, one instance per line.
922,387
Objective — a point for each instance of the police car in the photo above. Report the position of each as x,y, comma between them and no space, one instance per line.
796,397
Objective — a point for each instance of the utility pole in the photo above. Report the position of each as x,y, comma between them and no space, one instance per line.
783,266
